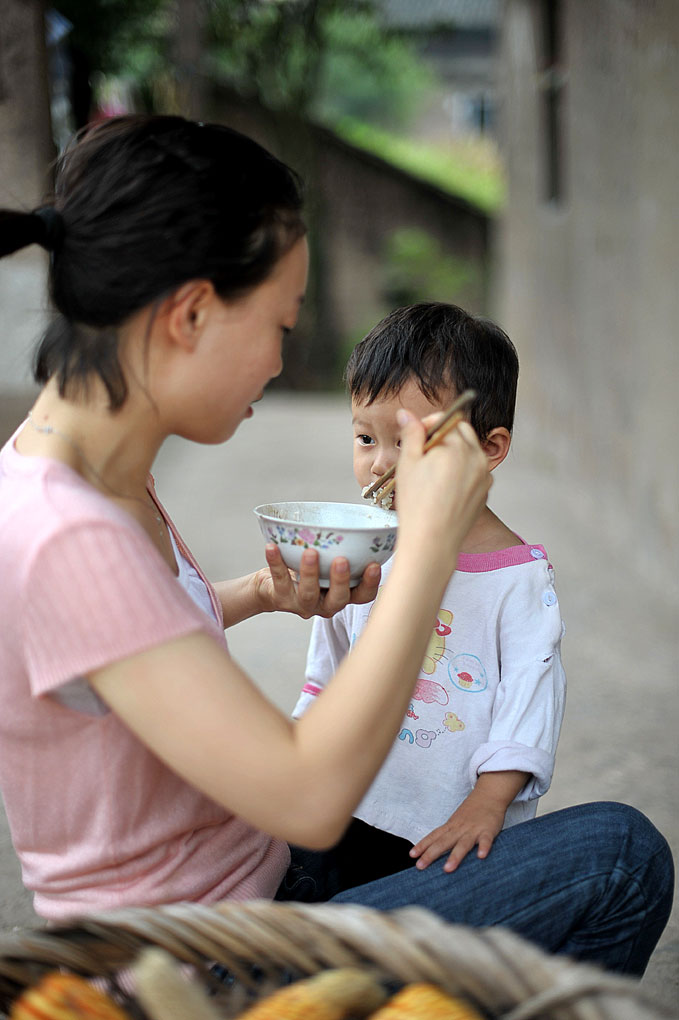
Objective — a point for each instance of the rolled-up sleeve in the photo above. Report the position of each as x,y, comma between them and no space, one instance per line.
530,699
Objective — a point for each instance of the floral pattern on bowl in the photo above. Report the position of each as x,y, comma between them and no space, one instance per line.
384,545
305,537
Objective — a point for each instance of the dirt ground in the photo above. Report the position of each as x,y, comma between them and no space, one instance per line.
619,740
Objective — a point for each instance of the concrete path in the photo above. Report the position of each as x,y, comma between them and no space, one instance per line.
619,740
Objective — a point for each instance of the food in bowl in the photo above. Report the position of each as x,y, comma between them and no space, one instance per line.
363,533
385,501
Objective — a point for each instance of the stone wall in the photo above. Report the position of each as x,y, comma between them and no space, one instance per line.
588,281
25,153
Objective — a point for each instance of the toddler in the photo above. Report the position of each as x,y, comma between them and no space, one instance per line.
476,747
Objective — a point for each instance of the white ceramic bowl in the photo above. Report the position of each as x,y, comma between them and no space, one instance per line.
364,533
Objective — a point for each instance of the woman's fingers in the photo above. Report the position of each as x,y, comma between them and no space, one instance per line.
339,594
369,584
280,574
308,590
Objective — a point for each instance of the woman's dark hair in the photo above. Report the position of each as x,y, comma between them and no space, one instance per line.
142,204
441,347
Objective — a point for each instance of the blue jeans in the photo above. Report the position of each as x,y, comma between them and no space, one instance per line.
593,881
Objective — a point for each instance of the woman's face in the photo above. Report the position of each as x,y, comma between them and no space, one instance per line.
242,350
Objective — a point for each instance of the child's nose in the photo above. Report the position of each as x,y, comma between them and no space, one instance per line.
383,460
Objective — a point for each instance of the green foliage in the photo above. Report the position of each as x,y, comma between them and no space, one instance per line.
326,58
110,32
455,171
367,73
417,269
269,50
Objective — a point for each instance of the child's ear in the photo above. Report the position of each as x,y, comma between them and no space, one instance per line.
496,446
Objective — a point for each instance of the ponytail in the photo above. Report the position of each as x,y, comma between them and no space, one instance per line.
44,226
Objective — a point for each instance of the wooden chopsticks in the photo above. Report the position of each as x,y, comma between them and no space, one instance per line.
453,416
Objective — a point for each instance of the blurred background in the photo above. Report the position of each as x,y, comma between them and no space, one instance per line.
517,157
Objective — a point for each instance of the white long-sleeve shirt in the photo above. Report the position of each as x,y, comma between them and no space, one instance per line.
489,698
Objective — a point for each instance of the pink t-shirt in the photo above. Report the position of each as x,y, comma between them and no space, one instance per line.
97,820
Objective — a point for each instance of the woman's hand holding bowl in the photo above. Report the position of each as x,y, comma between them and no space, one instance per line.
280,589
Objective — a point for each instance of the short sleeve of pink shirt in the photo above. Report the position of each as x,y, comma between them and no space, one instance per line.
96,593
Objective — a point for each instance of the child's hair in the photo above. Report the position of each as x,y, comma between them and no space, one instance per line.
143,204
441,347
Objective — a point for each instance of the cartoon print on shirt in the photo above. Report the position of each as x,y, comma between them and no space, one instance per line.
437,642
429,692
423,738
468,673
452,722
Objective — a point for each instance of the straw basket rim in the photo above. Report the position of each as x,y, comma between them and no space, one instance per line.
262,944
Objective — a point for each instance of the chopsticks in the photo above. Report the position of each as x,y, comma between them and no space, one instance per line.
453,416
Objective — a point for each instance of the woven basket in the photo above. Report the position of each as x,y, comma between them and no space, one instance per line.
263,945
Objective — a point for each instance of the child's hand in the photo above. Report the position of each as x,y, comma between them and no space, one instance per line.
280,590
472,824
476,822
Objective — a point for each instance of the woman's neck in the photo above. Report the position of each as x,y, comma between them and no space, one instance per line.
113,451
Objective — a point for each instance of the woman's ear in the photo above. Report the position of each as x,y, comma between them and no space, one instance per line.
496,446
188,311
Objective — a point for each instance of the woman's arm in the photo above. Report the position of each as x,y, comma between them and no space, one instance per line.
275,588
198,711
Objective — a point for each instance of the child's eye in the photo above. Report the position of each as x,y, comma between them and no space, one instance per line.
365,440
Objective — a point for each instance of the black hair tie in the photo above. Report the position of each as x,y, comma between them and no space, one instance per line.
52,227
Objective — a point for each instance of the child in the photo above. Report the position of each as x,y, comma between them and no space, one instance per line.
476,747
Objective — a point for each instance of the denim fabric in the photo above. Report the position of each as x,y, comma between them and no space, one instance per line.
593,881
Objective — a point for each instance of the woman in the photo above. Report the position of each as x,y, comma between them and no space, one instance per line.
138,763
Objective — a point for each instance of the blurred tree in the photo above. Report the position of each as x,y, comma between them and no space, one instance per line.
324,58
106,31
301,59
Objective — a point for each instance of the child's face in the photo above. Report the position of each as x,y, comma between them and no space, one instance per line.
376,432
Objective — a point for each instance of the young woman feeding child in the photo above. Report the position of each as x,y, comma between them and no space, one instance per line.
138,762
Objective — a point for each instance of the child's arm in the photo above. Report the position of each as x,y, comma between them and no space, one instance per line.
274,588
518,754
477,821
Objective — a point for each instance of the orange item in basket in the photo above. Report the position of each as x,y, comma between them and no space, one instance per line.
423,1001
329,995
65,997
